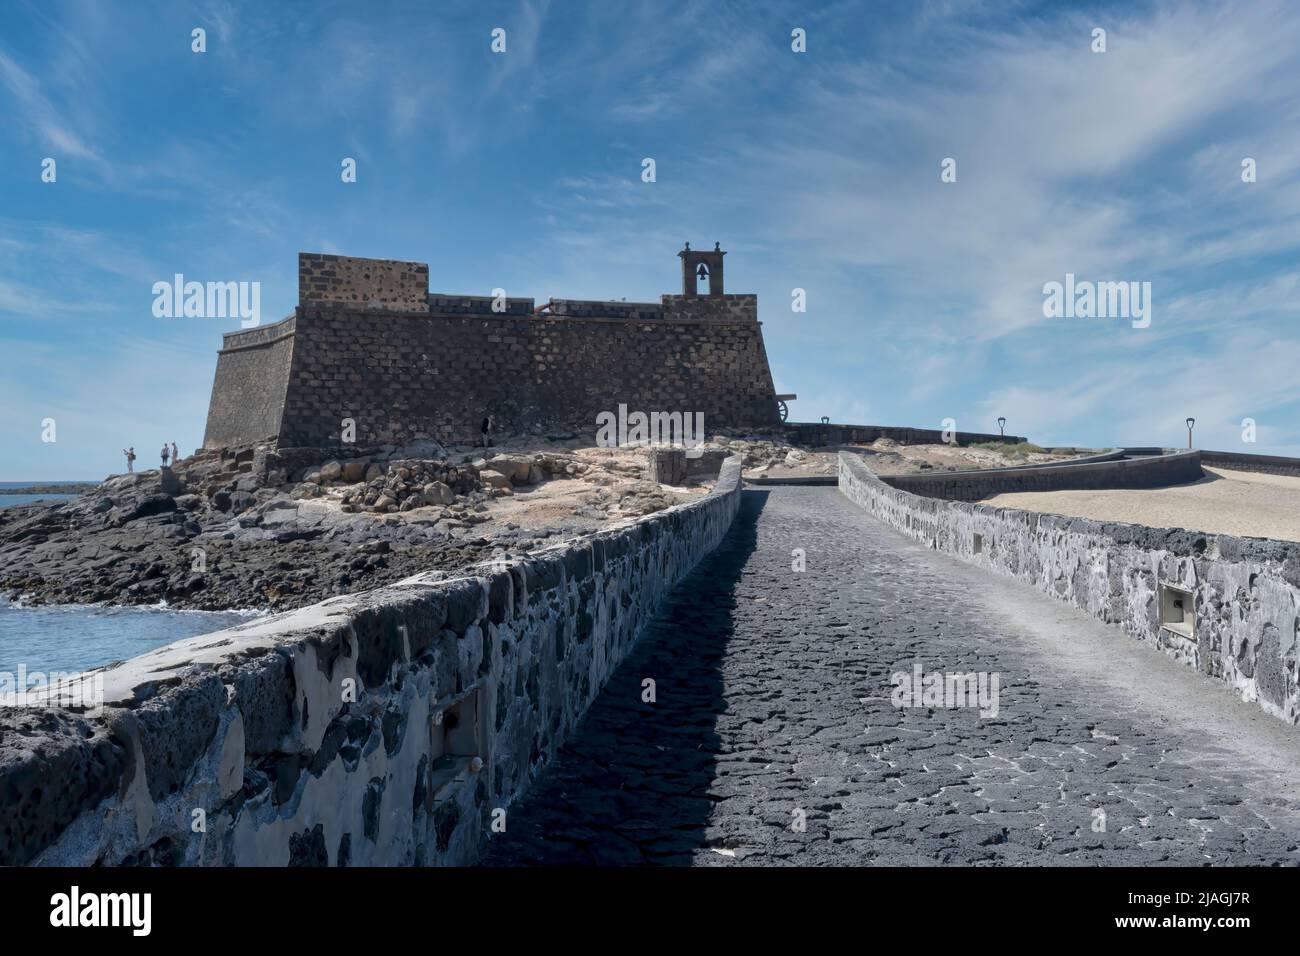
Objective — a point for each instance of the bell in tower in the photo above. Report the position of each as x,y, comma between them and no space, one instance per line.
699,266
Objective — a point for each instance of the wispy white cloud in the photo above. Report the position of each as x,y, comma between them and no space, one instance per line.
45,123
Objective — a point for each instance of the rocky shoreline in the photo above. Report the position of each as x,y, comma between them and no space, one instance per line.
268,528
71,488
234,529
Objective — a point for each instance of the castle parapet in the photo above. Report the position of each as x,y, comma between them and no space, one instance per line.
603,309
261,335
735,309
362,283
442,304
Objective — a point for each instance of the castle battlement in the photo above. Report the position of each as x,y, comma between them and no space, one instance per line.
390,285
371,344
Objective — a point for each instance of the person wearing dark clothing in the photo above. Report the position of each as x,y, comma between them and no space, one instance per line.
486,427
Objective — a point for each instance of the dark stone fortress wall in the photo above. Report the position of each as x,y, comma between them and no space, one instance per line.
369,343
249,388
402,377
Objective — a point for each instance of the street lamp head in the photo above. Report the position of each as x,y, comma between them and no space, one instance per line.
1191,422
1001,420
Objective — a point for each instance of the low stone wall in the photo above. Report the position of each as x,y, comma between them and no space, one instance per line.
591,309
1101,471
673,466
391,727
1245,592
813,434
1265,464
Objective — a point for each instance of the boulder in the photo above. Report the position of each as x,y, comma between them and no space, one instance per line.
514,467
435,492
331,471
373,472
494,478
353,471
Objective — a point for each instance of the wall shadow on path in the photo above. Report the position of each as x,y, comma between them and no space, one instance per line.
629,788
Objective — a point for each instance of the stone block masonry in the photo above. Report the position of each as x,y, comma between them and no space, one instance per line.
673,466
1224,605
363,283
385,728
368,342
250,385
402,378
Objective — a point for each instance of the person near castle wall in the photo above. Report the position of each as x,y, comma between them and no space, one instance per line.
486,428
164,455
130,459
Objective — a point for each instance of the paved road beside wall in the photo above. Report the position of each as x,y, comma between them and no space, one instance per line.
773,707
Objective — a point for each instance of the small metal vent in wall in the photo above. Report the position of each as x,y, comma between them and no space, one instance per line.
1177,610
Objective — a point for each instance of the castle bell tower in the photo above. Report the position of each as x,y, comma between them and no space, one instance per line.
697,266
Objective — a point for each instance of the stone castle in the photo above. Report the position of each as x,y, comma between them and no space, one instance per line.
368,343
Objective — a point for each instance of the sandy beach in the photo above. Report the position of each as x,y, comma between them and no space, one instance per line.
1225,502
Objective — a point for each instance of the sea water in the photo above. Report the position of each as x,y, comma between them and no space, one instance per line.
73,637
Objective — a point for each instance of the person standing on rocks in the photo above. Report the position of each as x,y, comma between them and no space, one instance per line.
489,423
176,455
164,455
130,459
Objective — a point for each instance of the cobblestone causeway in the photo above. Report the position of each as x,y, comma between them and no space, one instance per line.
773,702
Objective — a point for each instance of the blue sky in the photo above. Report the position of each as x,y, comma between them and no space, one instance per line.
818,171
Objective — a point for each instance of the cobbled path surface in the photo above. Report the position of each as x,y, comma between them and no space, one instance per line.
773,705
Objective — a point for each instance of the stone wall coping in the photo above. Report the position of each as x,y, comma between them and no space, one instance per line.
261,335
1091,463
1109,471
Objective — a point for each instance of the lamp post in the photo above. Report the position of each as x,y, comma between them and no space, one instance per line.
1002,426
1191,423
